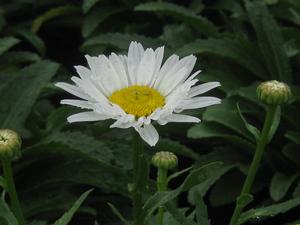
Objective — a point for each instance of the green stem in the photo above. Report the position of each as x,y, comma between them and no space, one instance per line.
137,179
262,142
11,188
161,182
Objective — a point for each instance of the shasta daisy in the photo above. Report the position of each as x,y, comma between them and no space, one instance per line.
137,89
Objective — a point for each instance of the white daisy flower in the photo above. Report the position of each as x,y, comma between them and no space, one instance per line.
137,89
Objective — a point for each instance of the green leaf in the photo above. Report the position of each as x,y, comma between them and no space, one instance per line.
203,187
178,215
27,83
233,48
271,210
270,41
117,40
206,130
51,14
275,123
66,218
201,210
293,136
252,129
225,115
95,18
2,182
6,43
177,174
33,39
176,148
6,214
244,200
19,57
280,185
118,214
88,4
195,177
181,13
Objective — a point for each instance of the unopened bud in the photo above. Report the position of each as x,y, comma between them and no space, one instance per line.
165,160
10,145
274,92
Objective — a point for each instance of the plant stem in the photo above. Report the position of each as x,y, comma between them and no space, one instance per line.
161,182
262,142
137,179
11,188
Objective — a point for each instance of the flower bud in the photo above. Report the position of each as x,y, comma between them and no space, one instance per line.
10,145
274,92
165,160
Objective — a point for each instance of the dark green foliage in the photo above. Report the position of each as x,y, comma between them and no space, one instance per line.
239,43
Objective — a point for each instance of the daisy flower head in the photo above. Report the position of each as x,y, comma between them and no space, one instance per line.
137,89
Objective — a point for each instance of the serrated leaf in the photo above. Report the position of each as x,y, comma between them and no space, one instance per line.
95,18
66,218
178,215
88,4
270,41
201,210
6,43
271,210
252,129
27,83
233,49
180,13
280,185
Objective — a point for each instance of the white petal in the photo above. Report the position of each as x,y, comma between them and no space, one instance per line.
167,66
83,72
78,103
87,116
119,68
159,55
149,134
89,88
182,118
200,102
168,85
135,53
202,88
124,122
74,90
146,67
109,78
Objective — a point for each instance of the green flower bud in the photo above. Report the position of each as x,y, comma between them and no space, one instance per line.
274,92
10,145
165,160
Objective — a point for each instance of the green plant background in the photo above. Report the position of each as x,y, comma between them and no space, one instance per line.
239,43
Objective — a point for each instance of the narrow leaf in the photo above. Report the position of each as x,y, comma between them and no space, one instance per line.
252,129
118,214
66,218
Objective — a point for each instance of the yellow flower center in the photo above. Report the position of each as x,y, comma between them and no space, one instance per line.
138,100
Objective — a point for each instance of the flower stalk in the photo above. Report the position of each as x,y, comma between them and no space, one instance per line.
161,186
163,161
137,189
11,189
